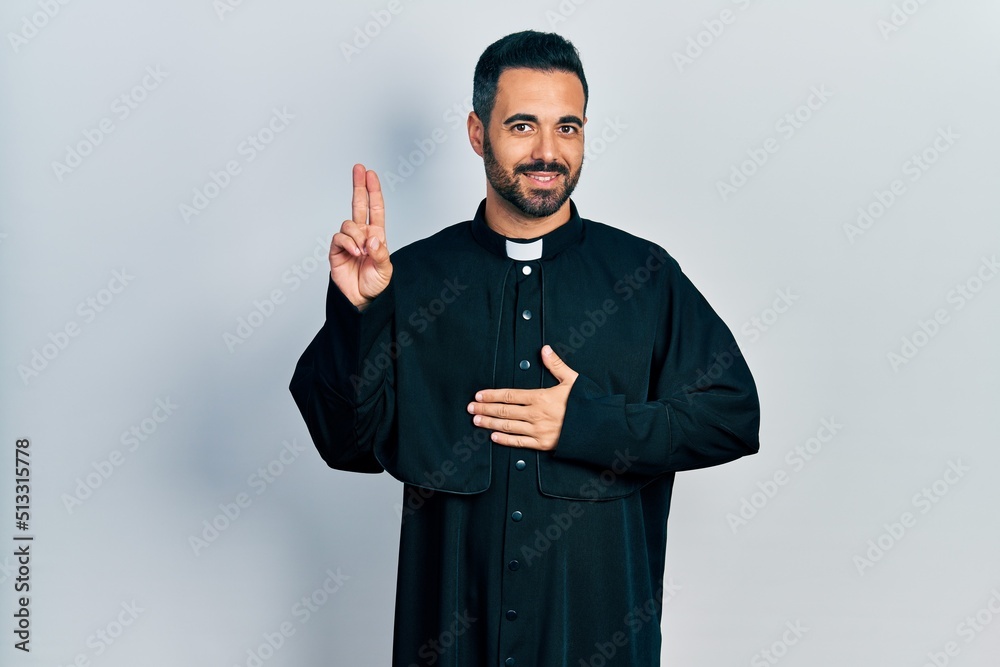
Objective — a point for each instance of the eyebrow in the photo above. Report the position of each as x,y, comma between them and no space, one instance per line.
531,118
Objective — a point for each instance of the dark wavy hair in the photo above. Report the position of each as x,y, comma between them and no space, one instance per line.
530,49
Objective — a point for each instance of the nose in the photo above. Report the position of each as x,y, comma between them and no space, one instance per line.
544,148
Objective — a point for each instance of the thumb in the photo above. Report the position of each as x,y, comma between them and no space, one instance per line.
557,366
379,254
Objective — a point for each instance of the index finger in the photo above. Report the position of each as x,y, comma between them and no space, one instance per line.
510,396
359,202
376,206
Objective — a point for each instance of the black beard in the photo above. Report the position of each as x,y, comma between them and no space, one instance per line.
539,203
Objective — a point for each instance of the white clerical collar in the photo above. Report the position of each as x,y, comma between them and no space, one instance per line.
524,251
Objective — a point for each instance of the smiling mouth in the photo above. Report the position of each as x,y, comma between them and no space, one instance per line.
542,177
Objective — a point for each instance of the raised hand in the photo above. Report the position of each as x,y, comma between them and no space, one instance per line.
359,258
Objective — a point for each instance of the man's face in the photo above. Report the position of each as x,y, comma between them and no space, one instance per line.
533,152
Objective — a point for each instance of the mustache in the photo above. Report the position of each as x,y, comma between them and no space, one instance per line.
542,166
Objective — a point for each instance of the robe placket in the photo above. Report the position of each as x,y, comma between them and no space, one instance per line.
525,370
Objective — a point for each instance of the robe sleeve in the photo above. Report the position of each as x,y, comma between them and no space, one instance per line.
702,407
343,383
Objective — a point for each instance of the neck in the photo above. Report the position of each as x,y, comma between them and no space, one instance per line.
503,218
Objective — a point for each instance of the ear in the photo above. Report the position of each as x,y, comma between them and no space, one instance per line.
476,133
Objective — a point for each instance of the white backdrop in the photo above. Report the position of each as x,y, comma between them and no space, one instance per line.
825,172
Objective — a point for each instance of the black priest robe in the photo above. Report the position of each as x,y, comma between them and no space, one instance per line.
515,557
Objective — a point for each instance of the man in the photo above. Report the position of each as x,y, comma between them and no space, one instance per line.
535,379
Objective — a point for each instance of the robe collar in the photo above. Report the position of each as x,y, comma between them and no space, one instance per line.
540,247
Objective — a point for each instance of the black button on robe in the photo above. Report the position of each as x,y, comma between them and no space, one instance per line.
515,557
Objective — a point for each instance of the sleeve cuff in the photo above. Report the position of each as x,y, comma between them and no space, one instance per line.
595,428
351,337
